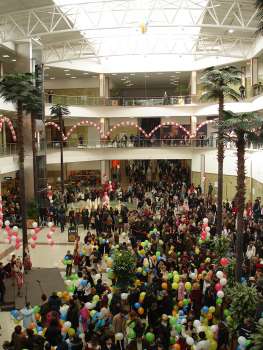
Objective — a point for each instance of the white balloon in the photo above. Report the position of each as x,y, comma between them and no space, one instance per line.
119,336
7,223
15,228
50,224
207,229
219,274
189,341
34,225
124,296
68,282
220,294
214,328
197,323
49,187
223,281
241,340
205,220
90,306
13,238
67,324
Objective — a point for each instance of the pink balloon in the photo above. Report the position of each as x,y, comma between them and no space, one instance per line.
48,236
37,229
34,238
33,245
17,246
218,287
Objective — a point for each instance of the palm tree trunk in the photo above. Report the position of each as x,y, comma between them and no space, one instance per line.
33,128
21,157
61,156
220,178
240,196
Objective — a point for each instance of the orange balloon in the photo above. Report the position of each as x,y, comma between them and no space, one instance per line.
181,303
141,311
164,285
37,317
174,313
209,316
32,325
176,347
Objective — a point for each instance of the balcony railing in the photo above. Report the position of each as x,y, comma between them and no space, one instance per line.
8,150
55,145
118,101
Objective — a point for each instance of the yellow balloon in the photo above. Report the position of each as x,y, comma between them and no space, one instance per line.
176,278
175,285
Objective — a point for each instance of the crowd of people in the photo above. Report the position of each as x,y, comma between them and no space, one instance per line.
174,297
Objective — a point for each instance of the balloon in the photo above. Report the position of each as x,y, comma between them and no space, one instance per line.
176,347
176,278
212,309
124,296
34,224
178,327
149,337
137,305
175,285
50,224
172,321
119,336
7,223
219,301
218,287
36,309
59,294
242,341
71,332
164,285
205,309
220,294
214,328
189,341
219,274
207,229
188,286
15,228
224,262
67,324
205,220
141,311
223,281
197,323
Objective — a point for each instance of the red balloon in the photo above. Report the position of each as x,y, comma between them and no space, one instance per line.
48,236
218,287
224,262
34,238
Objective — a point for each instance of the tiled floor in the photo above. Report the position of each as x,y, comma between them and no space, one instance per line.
43,255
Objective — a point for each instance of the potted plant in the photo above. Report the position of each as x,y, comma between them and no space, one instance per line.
124,265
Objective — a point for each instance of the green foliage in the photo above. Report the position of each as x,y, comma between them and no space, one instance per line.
59,111
32,210
220,245
257,338
19,88
230,272
244,300
124,265
217,81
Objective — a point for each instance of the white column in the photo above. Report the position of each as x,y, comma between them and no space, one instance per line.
193,122
243,76
193,83
254,71
202,168
105,171
104,86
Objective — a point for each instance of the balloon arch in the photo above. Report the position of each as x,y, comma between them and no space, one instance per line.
127,124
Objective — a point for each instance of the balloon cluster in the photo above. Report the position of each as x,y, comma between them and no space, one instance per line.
52,229
205,233
222,281
12,235
34,231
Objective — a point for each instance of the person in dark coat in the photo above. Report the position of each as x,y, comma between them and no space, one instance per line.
53,333
73,314
54,302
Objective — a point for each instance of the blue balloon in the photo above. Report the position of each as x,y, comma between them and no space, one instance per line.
181,313
83,283
137,305
14,313
39,329
205,309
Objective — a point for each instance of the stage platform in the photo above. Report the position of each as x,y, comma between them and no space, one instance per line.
36,282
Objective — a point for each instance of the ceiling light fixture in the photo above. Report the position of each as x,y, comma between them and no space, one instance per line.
52,78
73,77
86,73
13,60
67,74
5,56
66,70
231,31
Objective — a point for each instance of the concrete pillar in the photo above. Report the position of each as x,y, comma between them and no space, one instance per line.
104,122
24,65
104,86
1,70
105,171
193,121
243,76
202,170
254,71
193,83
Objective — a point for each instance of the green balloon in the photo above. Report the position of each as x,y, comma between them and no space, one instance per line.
226,312
158,254
170,275
36,309
149,337
172,340
185,302
172,321
178,327
219,301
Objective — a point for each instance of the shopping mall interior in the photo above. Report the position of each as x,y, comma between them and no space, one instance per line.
131,180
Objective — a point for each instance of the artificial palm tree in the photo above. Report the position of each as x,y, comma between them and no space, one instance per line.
217,83
240,128
59,112
19,89
259,6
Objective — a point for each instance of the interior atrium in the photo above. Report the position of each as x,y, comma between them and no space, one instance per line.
131,178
